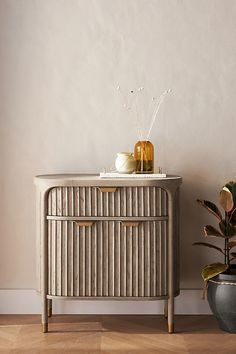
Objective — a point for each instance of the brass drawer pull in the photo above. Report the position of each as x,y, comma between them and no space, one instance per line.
84,223
107,189
130,223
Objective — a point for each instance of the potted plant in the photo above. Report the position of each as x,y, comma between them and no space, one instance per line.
220,278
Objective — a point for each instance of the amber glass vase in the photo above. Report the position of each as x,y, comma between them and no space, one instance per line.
144,156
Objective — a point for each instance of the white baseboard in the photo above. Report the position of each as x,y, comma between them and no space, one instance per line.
27,301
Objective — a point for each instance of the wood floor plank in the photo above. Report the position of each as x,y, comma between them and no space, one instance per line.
210,343
120,342
61,339
8,335
110,334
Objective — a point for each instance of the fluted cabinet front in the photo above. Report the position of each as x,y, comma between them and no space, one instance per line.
107,259
93,201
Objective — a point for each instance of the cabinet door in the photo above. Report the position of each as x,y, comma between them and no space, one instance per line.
96,201
107,259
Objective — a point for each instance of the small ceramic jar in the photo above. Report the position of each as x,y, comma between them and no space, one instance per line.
125,162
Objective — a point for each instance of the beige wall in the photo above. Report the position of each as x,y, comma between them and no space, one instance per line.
60,63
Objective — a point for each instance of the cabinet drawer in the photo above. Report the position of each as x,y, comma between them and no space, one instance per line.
107,259
96,201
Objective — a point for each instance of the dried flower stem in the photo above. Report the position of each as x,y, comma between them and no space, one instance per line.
159,102
139,127
132,103
129,104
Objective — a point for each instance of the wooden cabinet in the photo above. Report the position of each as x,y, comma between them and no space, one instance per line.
107,239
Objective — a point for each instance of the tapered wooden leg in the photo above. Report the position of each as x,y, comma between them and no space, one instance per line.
165,308
49,307
45,315
44,263
170,315
170,262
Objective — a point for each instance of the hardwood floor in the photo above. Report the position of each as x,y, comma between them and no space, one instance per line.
111,334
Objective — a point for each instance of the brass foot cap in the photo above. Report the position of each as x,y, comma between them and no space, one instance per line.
171,327
45,327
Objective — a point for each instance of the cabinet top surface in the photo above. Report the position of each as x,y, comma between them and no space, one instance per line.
89,177
53,180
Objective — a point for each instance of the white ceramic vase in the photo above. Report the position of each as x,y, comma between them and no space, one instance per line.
125,162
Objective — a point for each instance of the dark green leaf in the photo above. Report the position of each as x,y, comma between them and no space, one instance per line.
228,230
232,218
212,231
211,207
212,270
206,244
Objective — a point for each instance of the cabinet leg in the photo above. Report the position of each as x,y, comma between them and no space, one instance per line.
49,307
45,315
165,308
171,327
171,315
45,327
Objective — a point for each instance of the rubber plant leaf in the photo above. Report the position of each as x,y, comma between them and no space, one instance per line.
228,230
232,218
232,244
232,187
206,244
233,254
226,199
212,270
211,207
212,231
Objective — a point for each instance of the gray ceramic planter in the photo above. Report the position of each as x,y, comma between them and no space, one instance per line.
221,295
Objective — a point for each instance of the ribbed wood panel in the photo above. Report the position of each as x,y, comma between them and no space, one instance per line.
107,259
91,201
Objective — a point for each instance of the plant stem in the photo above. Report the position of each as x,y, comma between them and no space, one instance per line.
227,261
225,251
